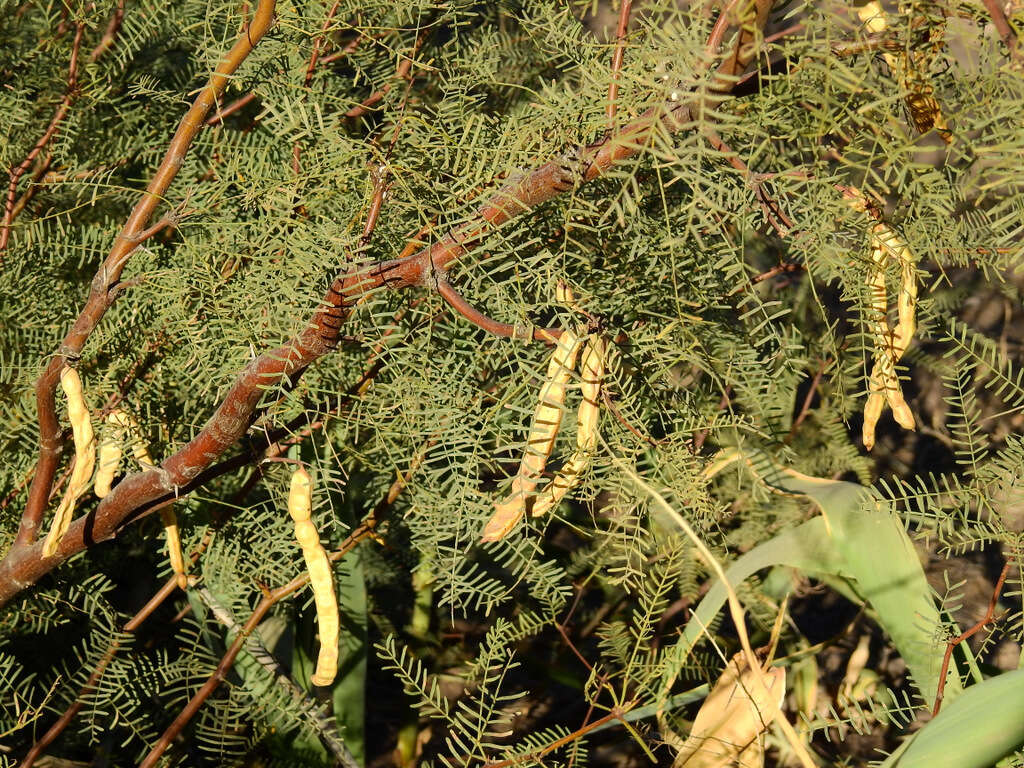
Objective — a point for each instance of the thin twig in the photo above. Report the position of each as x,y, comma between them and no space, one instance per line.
777,270
617,713
806,407
1006,33
619,417
110,33
771,208
314,713
457,302
989,614
617,57
51,130
401,72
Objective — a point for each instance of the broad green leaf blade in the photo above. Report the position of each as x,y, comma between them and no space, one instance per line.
859,539
981,726
877,553
349,691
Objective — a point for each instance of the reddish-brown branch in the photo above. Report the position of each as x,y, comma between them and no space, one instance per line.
457,302
1006,33
136,494
315,55
38,175
777,270
110,271
808,399
401,73
18,171
989,614
617,57
619,417
110,33
231,108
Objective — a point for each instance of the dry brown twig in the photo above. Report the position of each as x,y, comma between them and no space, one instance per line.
15,174
954,642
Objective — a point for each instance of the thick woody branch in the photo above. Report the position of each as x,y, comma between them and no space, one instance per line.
136,494
109,273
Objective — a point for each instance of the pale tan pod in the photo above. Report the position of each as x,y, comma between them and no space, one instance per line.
889,344
109,455
737,711
85,459
321,579
588,418
872,412
172,533
547,419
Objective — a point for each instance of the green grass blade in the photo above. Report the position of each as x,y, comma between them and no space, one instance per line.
981,726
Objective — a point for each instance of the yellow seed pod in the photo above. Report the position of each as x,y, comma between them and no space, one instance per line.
85,458
588,418
130,429
300,506
547,419
890,344
109,454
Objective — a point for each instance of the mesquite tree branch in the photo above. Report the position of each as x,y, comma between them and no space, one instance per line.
110,270
136,494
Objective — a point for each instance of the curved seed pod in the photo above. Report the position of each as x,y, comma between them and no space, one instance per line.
547,419
85,458
588,418
109,454
890,344
906,301
300,506
172,532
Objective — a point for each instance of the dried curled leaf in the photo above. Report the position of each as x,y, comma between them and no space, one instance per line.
321,579
547,419
588,418
730,723
85,459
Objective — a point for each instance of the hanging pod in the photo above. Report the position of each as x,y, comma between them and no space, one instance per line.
300,508
85,459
